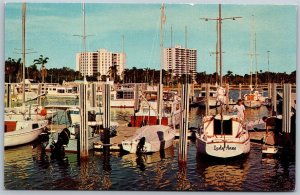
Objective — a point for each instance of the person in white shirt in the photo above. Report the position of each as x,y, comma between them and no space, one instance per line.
240,108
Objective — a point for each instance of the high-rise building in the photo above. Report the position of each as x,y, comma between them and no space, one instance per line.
91,63
181,61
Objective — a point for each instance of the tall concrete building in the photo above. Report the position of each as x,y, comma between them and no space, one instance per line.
181,61
91,63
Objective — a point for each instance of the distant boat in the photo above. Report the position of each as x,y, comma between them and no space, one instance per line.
149,139
201,99
252,100
148,113
22,132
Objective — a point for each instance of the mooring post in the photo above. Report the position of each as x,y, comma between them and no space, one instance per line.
274,99
227,96
8,96
93,95
207,87
39,102
84,150
286,111
240,90
136,103
182,154
269,91
106,122
192,93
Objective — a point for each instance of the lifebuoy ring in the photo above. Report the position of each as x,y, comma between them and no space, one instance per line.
43,112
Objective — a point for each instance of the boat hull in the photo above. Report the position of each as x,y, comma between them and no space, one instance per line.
222,149
23,136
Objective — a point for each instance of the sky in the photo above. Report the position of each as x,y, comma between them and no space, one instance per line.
50,28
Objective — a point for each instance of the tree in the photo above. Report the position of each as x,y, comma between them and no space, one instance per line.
42,61
113,73
13,67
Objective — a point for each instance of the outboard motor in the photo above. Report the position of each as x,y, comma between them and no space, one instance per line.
140,146
58,147
42,140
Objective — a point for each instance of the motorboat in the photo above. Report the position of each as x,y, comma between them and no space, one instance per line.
149,139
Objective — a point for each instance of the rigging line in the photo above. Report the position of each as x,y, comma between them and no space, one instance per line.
154,41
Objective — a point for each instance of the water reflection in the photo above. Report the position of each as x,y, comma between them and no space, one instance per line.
183,183
222,174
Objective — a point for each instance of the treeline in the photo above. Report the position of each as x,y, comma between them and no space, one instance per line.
13,73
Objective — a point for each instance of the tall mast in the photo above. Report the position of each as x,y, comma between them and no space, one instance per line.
220,41
162,21
252,51
84,41
23,46
186,60
217,45
255,61
268,66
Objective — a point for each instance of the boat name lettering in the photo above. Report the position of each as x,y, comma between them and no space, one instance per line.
227,147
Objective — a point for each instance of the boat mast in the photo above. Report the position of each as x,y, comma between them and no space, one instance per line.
255,61
220,41
160,99
84,41
23,47
268,66
217,59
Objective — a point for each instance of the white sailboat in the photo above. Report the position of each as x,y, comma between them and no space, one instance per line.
156,137
222,135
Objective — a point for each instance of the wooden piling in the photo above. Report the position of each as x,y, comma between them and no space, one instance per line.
84,150
106,122
39,100
240,90
286,110
8,96
207,89
269,90
274,99
182,153
136,103
93,95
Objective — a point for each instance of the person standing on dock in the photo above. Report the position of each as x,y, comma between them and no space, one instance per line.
240,108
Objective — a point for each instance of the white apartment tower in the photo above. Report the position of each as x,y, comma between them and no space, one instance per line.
181,61
90,63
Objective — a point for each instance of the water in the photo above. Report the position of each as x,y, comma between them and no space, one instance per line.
30,169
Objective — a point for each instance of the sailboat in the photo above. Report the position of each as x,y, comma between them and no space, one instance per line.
156,137
18,131
222,135
253,99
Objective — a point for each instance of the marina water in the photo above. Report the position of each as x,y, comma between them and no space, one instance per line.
30,169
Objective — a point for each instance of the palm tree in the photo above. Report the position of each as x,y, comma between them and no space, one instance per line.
42,61
12,67
112,72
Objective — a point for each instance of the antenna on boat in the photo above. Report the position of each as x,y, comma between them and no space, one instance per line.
268,52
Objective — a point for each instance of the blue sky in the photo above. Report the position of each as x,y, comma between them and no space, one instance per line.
50,26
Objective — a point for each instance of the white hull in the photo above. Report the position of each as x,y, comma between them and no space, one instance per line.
222,149
152,142
24,135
